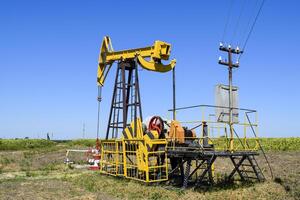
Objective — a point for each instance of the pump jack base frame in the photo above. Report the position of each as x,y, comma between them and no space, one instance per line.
204,162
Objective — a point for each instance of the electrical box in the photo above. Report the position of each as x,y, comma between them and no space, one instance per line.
222,103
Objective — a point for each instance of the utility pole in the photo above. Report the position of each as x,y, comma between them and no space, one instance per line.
83,130
230,65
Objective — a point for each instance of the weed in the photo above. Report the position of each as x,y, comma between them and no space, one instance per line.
155,196
29,174
6,161
70,166
50,167
25,164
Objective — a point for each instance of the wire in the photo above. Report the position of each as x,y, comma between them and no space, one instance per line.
227,20
99,100
252,27
248,23
238,21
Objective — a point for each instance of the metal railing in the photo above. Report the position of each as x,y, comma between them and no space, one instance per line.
218,131
134,159
111,157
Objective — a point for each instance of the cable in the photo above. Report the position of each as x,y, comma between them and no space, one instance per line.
99,100
227,20
252,27
238,21
248,23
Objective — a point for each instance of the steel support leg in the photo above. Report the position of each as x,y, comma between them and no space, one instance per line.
208,168
187,174
236,168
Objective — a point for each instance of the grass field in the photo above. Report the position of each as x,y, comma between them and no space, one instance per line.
34,169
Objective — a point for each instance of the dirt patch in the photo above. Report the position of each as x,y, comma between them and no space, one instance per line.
45,189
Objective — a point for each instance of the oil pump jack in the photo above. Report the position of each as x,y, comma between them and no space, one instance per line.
126,99
143,152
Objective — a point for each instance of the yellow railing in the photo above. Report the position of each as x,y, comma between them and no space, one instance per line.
132,158
218,144
112,157
219,132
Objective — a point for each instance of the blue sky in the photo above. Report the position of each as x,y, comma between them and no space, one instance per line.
49,52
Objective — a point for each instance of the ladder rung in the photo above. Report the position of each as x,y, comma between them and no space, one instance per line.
115,126
126,84
117,107
116,123
246,165
247,171
132,104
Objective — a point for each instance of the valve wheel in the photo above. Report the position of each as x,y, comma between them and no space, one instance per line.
156,124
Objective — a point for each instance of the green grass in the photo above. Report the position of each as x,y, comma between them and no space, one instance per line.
41,144
124,188
24,144
23,165
269,144
129,189
281,144
82,142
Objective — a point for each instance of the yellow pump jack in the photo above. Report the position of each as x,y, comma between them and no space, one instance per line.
157,52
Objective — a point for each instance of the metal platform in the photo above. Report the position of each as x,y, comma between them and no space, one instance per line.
244,164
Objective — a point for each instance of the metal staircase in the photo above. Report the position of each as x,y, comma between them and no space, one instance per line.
247,168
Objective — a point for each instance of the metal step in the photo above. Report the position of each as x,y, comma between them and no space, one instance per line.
251,177
246,165
247,171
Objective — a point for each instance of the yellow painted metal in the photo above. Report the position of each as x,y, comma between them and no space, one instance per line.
135,157
223,142
111,157
156,53
156,66
126,157
103,64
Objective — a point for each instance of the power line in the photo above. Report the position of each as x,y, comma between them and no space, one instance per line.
252,27
248,23
227,20
238,21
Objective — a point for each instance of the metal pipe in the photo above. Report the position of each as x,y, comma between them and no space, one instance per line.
99,98
138,90
124,96
205,135
212,106
174,94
